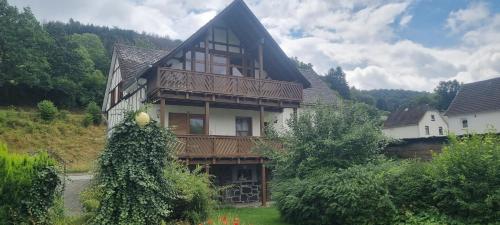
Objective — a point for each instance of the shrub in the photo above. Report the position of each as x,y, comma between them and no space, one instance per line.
28,187
357,195
467,178
48,111
196,195
63,114
411,186
93,113
331,138
130,176
87,120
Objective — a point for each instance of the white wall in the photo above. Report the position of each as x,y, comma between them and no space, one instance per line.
478,123
132,103
433,125
222,120
402,132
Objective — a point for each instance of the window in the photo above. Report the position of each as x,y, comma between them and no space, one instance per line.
219,64
196,124
465,123
433,118
440,130
243,126
426,130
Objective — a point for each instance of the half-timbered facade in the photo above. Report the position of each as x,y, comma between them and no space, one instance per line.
217,91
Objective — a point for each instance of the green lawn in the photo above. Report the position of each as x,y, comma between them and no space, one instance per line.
247,216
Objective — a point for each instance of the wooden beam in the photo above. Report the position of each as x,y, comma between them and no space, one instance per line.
207,168
207,118
162,112
263,183
261,59
262,134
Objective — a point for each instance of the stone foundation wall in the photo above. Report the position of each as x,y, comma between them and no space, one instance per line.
242,192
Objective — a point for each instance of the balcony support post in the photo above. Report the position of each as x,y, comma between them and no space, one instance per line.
207,118
262,130
162,112
263,183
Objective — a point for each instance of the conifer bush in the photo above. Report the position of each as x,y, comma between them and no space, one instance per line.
130,178
93,113
48,111
28,187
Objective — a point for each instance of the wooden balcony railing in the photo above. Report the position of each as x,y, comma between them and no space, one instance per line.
206,83
206,146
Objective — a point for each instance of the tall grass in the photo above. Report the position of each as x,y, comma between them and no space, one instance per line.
65,137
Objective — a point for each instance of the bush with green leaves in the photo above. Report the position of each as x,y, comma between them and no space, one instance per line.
131,177
466,178
329,137
196,194
356,195
28,187
313,179
93,114
47,110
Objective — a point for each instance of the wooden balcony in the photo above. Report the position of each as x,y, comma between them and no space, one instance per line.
214,146
224,85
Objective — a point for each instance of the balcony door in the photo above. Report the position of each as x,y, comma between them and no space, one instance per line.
183,123
243,126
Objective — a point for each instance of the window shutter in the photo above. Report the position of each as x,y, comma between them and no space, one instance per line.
178,123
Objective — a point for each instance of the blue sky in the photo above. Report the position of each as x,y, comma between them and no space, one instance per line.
408,44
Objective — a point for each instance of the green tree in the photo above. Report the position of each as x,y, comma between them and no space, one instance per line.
94,113
299,64
23,50
131,177
95,49
330,138
445,92
337,81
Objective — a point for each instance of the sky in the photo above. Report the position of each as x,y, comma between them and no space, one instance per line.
394,44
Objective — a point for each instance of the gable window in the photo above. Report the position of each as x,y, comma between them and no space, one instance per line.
427,130
440,130
433,118
465,123
196,124
243,126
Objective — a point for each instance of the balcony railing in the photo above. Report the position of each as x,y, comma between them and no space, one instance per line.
207,146
206,83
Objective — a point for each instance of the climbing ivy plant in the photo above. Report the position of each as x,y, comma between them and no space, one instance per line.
133,189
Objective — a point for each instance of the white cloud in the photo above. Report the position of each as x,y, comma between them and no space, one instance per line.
358,35
464,19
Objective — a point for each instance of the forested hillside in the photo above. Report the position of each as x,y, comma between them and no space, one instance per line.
389,99
63,62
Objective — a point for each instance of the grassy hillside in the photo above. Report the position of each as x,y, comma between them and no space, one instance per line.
23,131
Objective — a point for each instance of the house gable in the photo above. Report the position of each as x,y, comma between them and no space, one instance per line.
240,21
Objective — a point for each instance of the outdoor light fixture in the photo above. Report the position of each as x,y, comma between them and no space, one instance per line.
142,119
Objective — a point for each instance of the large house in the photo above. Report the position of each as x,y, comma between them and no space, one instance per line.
217,91
415,122
475,108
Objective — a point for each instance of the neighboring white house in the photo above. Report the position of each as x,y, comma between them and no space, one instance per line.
415,122
475,108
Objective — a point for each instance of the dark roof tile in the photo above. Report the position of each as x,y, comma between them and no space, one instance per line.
476,97
406,116
134,60
319,90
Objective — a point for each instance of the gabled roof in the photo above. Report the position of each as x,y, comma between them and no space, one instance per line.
476,97
319,90
406,116
134,61
242,18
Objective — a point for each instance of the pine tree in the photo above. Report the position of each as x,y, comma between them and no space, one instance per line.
337,81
